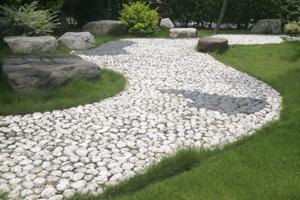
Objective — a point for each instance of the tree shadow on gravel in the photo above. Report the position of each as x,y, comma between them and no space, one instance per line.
223,104
111,49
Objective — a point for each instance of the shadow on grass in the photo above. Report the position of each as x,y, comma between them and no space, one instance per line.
183,161
294,56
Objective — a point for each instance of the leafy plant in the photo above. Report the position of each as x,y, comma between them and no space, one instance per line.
28,19
84,11
292,10
292,28
140,19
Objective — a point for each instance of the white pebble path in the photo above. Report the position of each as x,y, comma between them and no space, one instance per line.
176,97
246,39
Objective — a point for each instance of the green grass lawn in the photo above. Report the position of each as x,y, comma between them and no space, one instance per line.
75,93
263,166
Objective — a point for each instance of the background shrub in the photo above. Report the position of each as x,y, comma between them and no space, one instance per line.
28,19
84,11
241,13
292,28
291,10
140,19
203,13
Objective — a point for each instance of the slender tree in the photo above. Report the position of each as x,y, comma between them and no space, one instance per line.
222,14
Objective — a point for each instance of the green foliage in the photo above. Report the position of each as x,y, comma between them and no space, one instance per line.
292,10
239,12
182,12
140,19
85,11
28,19
3,196
292,28
54,5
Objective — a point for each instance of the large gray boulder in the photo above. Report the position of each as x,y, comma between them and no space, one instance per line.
211,44
31,45
77,40
36,73
103,27
267,26
166,23
183,32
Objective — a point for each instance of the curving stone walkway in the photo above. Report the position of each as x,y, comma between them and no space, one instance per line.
176,97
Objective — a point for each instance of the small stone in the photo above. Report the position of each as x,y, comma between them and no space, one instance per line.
116,178
15,181
77,176
28,184
39,181
121,145
56,173
8,176
63,184
30,177
4,169
52,179
46,165
102,179
29,130
116,170
4,187
56,197
37,116
128,166
32,197
48,192
67,168
81,152
68,193
78,184
26,193
28,167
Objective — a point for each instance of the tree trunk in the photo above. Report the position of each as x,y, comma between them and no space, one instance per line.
222,14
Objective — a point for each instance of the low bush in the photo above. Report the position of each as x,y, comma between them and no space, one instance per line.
28,19
292,28
140,19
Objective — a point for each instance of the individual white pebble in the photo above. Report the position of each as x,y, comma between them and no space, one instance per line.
78,184
63,184
48,192
39,181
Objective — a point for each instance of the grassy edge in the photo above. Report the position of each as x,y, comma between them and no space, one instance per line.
109,84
